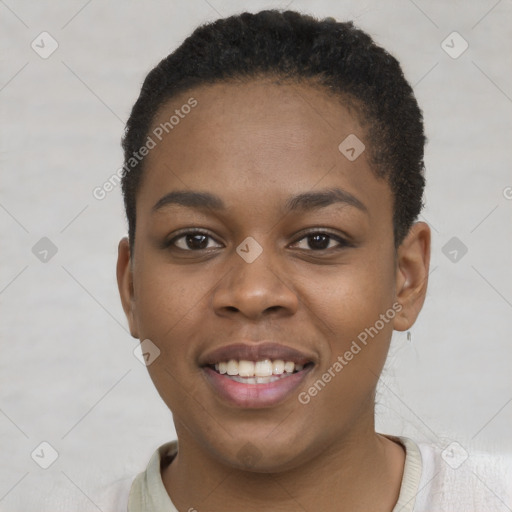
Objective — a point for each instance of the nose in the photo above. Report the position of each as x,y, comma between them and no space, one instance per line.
255,290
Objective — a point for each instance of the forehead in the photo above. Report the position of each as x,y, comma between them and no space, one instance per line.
262,114
267,139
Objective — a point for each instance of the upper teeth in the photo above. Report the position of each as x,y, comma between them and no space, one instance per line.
263,368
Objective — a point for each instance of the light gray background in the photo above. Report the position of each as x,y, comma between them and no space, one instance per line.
68,375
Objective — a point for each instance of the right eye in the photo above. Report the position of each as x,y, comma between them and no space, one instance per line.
192,241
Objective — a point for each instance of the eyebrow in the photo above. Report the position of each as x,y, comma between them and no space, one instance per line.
303,202
191,199
323,198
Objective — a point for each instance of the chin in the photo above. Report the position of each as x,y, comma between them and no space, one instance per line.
263,454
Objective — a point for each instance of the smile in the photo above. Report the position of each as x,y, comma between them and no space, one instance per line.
257,372
264,368
257,375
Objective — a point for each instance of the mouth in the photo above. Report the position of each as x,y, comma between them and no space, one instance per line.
256,376
264,371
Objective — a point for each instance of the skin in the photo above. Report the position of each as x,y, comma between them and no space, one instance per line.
254,145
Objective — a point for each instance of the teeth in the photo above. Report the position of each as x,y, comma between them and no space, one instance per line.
232,367
246,368
289,367
262,370
256,380
278,367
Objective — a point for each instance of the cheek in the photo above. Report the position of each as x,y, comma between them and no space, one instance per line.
165,297
352,297
354,310
356,349
168,313
168,310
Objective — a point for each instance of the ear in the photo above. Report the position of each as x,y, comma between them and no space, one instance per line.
125,284
413,261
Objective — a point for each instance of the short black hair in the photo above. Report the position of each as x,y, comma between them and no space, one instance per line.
292,46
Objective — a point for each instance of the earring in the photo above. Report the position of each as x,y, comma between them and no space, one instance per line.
408,335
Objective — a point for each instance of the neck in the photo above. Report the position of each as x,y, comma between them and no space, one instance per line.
357,473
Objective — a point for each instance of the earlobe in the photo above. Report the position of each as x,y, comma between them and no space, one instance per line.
413,261
125,284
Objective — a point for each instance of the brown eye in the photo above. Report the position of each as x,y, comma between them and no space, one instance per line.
193,241
196,241
321,241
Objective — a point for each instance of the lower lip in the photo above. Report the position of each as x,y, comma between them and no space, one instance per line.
255,395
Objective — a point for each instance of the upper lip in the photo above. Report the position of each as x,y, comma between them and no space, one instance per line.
255,352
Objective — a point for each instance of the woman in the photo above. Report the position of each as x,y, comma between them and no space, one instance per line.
272,181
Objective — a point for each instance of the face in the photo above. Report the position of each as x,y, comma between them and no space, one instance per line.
286,258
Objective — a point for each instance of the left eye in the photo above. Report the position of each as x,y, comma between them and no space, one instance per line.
321,241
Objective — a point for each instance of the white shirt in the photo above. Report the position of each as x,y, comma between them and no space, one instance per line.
434,480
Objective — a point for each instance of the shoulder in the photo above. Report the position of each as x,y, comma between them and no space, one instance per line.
139,491
114,495
456,478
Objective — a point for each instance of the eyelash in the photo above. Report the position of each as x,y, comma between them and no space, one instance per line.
343,243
